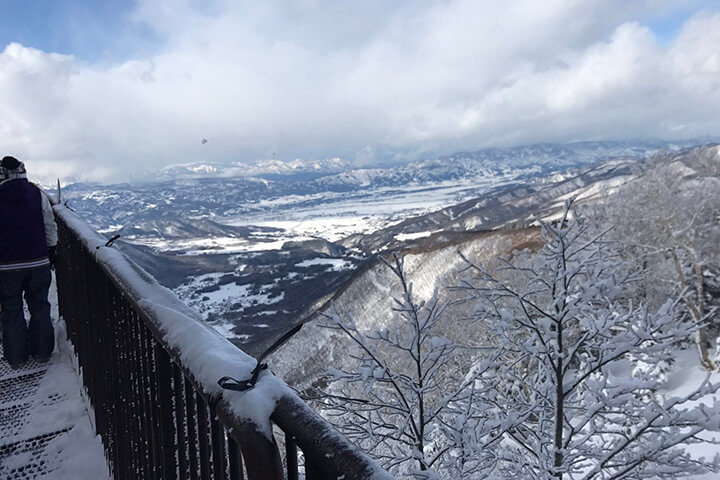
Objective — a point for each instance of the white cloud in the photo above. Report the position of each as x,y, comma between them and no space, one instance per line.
317,78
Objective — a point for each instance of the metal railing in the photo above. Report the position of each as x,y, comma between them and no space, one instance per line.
158,411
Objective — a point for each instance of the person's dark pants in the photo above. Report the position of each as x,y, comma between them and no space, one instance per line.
21,340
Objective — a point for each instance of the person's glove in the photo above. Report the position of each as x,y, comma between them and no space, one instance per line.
52,256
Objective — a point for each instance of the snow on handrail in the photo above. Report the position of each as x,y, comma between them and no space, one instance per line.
204,353
206,356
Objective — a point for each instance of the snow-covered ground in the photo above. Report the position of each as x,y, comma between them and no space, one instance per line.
55,406
344,215
331,216
228,295
685,376
46,429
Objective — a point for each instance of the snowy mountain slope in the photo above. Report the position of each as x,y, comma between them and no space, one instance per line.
255,296
367,299
232,246
260,168
542,156
432,250
513,204
250,297
179,228
267,190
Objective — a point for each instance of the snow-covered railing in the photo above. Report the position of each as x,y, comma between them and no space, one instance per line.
150,369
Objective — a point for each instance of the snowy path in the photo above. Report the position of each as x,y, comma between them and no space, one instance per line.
45,429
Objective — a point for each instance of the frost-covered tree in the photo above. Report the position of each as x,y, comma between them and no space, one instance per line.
667,221
570,403
405,395
559,377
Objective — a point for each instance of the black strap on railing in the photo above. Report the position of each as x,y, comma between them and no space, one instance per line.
230,383
110,242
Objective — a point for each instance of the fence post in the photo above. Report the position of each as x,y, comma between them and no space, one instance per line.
262,457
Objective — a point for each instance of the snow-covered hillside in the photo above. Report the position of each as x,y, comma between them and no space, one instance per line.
377,376
368,300
270,188
230,245
509,216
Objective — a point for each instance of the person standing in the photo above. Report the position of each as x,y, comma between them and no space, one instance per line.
28,246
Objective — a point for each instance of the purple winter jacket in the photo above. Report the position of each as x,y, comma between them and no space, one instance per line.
23,241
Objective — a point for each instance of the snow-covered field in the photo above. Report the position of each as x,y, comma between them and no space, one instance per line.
232,306
340,216
330,216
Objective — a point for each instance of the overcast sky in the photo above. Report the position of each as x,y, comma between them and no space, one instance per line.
107,89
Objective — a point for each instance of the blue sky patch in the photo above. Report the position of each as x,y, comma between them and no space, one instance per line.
91,30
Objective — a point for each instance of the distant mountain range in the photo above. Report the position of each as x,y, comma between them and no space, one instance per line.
259,168
267,187
544,155
257,248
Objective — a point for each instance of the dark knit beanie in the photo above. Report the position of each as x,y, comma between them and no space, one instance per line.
10,163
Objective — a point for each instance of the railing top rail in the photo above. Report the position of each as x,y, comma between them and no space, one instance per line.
206,356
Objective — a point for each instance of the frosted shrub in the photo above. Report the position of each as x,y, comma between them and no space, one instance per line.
567,335
568,384
666,223
404,395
